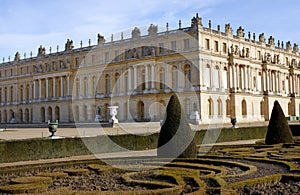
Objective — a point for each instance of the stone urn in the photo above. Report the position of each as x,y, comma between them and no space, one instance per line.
113,113
233,122
52,126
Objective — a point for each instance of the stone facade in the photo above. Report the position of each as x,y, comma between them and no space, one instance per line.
219,74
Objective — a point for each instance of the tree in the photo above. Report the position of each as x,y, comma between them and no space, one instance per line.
176,138
278,128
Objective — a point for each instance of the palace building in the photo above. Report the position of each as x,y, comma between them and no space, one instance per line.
220,74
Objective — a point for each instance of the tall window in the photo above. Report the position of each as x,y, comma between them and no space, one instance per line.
244,108
143,81
227,107
216,46
117,83
94,59
220,111
161,48
258,55
77,62
162,78
207,45
107,84
85,86
106,57
186,43
224,48
77,87
210,107
174,77
126,82
173,46
11,94
117,55
187,75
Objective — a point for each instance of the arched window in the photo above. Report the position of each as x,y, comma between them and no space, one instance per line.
140,111
210,107
107,84
0,96
56,113
42,114
26,115
220,110
21,115
49,113
187,76
254,83
227,107
162,80
244,108
117,83
174,77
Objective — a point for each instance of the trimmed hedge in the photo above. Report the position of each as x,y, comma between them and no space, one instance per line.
33,149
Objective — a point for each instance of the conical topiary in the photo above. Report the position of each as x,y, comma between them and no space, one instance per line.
176,138
278,129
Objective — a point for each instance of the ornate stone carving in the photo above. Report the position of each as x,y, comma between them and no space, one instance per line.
101,39
136,33
296,48
17,57
271,41
69,45
41,51
288,45
152,30
262,38
240,32
228,29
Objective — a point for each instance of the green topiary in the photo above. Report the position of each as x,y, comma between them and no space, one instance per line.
278,129
176,138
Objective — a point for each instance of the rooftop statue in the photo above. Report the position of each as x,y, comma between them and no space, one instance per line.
69,45
41,51
152,30
17,57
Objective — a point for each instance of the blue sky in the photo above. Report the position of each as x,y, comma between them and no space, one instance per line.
24,25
